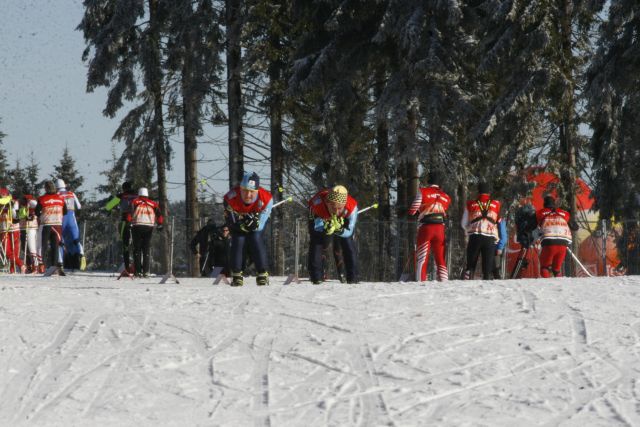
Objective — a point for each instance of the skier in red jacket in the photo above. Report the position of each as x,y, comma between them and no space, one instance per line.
332,212
431,204
555,225
50,211
480,221
247,208
145,214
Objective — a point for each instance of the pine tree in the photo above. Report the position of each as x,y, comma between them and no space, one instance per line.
614,105
4,163
234,21
19,179
113,175
123,39
66,170
33,179
194,47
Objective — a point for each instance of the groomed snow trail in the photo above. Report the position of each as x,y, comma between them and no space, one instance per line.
89,350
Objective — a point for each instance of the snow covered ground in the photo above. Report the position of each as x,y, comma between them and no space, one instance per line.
89,350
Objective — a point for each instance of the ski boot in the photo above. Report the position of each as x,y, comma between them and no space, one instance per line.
262,279
236,278
83,263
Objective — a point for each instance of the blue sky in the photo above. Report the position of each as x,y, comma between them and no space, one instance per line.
43,102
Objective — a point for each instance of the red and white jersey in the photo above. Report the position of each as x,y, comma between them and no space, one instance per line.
145,212
71,200
233,201
482,216
431,204
554,224
51,209
318,206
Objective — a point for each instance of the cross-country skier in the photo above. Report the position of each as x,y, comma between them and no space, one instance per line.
74,252
201,246
480,221
50,211
10,231
502,243
247,208
145,214
29,230
332,212
431,204
220,249
555,226
122,201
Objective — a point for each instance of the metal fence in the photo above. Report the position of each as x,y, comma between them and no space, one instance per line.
603,249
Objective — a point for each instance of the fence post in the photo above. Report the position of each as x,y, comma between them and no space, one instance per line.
173,220
84,232
604,248
297,250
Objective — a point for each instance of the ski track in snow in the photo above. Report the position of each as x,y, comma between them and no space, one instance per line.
90,350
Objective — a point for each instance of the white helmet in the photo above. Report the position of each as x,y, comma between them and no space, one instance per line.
60,185
143,192
33,203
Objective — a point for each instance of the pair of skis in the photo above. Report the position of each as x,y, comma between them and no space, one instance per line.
522,263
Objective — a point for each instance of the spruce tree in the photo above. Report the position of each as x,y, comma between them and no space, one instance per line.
194,48
614,104
66,170
124,50
33,179
4,164
19,180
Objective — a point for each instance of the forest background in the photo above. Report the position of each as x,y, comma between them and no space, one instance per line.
369,94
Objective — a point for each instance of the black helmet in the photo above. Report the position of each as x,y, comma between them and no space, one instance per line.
484,188
127,186
434,177
549,202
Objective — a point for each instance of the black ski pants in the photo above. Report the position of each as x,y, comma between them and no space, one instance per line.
318,242
125,238
51,241
481,245
257,249
141,247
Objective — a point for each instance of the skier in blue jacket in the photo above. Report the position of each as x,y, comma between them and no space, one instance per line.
500,248
74,252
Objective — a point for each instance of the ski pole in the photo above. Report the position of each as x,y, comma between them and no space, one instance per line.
288,199
373,206
575,258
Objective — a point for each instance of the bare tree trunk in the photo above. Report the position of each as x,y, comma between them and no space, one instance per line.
190,118
568,131
234,91
158,134
277,160
384,197
383,165
407,181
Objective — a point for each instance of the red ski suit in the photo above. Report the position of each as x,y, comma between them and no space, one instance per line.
431,204
556,236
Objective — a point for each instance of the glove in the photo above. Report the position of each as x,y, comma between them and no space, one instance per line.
329,227
338,223
250,222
